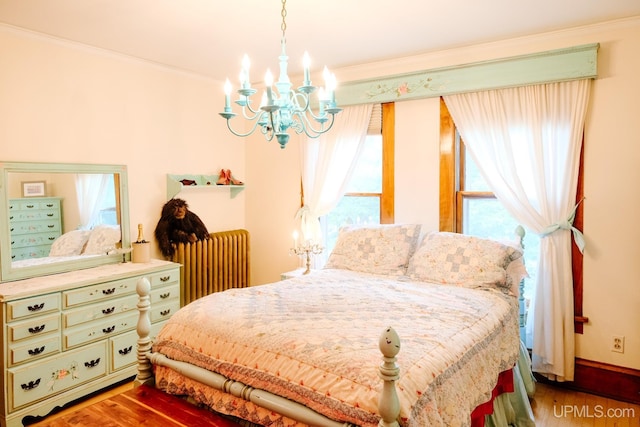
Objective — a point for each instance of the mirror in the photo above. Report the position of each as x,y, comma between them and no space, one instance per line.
60,217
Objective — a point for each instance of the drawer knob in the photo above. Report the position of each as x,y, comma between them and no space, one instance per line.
36,351
108,291
125,351
109,329
92,363
165,296
165,278
165,312
108,310
36,307
31,385
36,329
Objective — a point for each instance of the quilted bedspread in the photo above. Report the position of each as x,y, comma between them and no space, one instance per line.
314,340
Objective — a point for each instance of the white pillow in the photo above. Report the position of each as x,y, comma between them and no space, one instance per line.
102,239
381,249
459,259
70,244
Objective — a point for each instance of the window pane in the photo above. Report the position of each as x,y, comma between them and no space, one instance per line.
487,218
367,175
350,210
473,181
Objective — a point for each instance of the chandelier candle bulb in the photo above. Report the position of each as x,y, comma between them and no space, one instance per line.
227,96
268,81
306,62
244,79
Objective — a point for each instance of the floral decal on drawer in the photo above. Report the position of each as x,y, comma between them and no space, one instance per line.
63,373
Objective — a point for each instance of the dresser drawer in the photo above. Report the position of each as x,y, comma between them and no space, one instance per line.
26,307
99,292
164,278
30,252
99,310
123,350
50,376
35,239
29,227
96,330
164,311
34,349
33,327
34,204
165,294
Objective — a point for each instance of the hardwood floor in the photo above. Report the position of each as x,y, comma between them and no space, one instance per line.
552,407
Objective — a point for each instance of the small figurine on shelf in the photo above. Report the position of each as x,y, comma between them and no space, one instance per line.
226,178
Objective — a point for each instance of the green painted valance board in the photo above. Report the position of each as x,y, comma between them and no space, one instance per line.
573,63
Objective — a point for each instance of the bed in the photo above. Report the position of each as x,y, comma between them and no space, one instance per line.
401,325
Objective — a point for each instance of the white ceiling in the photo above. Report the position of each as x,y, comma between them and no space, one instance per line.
209,37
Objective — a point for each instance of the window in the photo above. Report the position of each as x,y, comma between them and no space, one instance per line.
369,195
468,206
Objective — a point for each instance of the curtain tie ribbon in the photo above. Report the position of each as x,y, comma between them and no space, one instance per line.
567,224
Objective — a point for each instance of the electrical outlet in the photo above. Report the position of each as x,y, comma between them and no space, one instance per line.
617,343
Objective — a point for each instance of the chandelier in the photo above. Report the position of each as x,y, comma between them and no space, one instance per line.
283,109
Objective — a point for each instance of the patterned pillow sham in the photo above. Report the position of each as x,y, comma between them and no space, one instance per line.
381,249
102,239
463,260
70,243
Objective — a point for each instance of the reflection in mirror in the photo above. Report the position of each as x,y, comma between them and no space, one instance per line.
62,217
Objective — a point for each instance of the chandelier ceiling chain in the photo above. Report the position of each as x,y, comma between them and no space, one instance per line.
283,13
283,109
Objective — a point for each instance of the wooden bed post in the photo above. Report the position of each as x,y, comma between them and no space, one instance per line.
145,372
389,405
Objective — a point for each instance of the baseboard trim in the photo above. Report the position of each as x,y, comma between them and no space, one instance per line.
602,379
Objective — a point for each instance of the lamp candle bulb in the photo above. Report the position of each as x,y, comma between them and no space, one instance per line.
295,238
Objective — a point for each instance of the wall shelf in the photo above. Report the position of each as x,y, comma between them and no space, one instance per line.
175,184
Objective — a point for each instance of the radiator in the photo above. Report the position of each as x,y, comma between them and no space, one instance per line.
213,265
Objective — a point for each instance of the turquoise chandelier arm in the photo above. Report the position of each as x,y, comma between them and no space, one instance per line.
257,123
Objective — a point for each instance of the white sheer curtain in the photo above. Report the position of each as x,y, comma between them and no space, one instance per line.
90,190
327,165
526,142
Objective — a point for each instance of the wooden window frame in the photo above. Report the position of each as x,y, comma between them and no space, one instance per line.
451,202
387,196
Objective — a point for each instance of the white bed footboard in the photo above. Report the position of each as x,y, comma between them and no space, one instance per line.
389,404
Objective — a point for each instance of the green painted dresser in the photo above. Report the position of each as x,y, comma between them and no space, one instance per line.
35,222
67,335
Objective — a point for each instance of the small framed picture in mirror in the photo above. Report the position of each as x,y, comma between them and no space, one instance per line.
34,188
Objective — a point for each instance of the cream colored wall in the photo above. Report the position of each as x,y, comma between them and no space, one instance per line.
612,155
61,102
